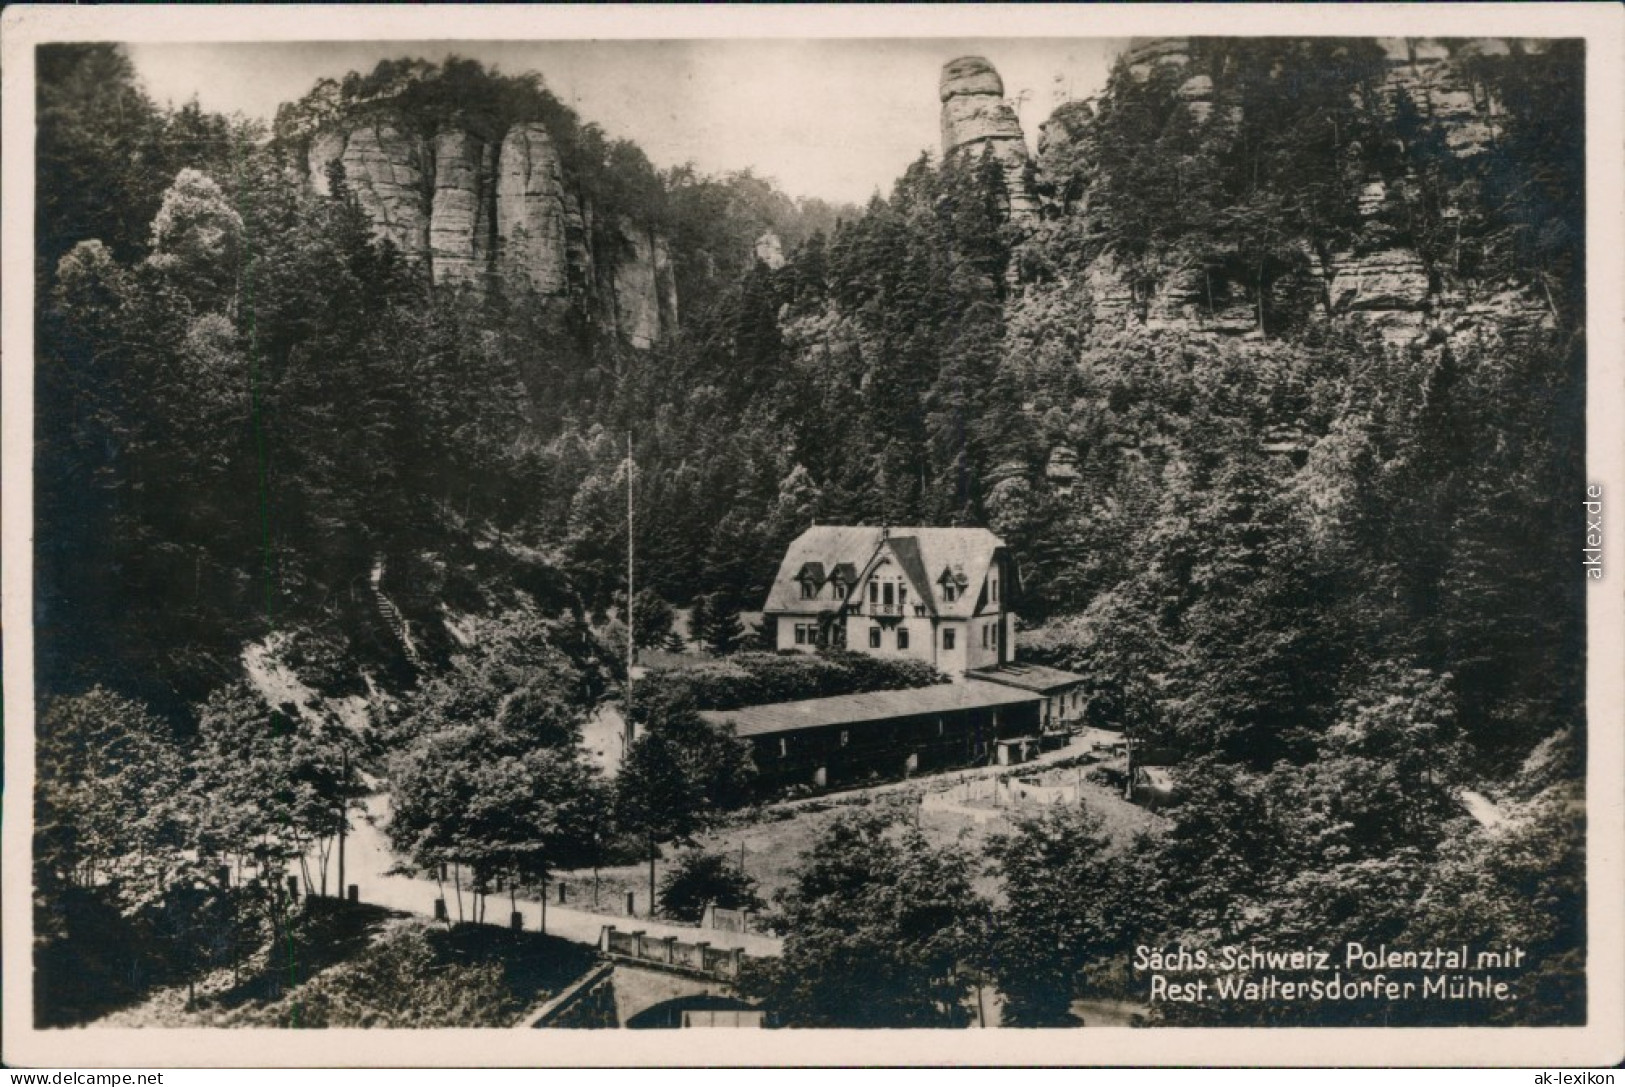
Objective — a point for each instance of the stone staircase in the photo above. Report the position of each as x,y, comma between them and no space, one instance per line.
392,615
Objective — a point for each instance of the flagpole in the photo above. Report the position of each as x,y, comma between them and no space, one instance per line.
631,642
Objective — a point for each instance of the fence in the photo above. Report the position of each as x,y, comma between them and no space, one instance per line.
1022,792
982,797
697,956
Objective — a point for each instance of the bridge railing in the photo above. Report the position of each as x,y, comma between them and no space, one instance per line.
695,955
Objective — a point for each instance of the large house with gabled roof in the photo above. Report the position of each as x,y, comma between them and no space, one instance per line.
944,596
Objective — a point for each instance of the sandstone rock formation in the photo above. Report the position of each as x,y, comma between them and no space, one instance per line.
977,117
474,210
530,209
459,220
1430,71
1389,288
1381,284
1197,94
385,170
1145,55
770,250
645,293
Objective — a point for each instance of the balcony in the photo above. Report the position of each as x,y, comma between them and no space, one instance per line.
885,609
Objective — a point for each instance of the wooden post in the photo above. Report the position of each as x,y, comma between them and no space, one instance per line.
344,807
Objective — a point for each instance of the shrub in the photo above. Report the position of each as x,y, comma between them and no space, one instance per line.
699,878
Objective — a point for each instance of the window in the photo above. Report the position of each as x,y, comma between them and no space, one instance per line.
840,591
874,592
846,737
984,635
784,747
902,595
949,591
874,637
902,637
808,589
994,591
801,634
947,638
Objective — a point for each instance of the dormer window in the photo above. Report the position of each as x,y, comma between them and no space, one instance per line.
950,591
840,590
811,577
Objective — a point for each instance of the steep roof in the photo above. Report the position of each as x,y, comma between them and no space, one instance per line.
827,545
922,551
852,709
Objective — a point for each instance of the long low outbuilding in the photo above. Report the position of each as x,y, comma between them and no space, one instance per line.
849,738
1062,690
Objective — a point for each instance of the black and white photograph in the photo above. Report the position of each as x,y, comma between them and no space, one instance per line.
1086,533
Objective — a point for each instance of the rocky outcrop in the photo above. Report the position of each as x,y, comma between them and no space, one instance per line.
1146,55
976,118
474,209
1389,289
645,289
531,210
1110,297
1197,94
460,227
384,168
1393,279
770,250
1375,280
1430,72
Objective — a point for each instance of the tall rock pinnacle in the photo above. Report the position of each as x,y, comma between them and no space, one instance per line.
976,116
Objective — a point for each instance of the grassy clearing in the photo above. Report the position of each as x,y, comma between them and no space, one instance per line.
775,837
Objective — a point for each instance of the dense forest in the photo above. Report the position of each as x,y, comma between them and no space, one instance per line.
1331,565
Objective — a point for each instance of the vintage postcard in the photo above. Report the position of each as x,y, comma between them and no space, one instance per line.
839,535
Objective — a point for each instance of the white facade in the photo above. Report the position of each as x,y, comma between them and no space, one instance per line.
941,596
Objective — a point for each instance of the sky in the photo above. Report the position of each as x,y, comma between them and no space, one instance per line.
832,118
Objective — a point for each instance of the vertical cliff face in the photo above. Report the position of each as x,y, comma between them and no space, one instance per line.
530,210
645,290
976,117
385,168
476,210
460,219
